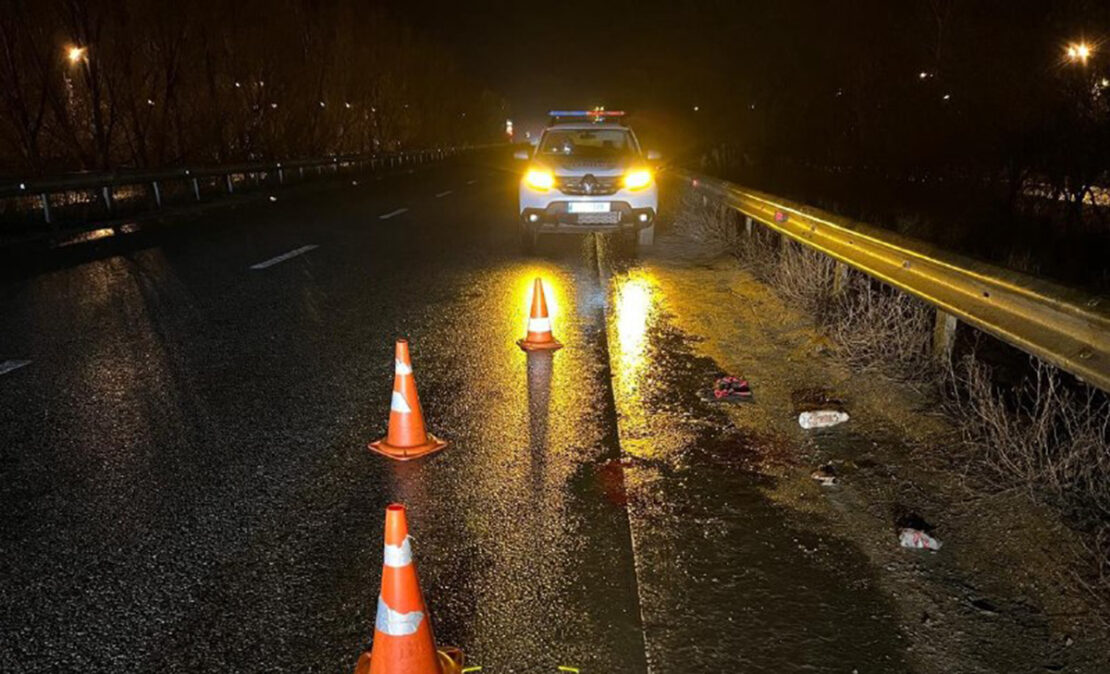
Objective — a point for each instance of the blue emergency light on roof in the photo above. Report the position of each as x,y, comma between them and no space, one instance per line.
586,113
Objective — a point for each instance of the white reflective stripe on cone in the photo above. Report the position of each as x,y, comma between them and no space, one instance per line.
397,556
399,404
401,368
539,325
395,623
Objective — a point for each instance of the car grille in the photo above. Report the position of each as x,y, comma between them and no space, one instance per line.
602,186
610,218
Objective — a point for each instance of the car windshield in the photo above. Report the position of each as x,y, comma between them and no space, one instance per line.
587,143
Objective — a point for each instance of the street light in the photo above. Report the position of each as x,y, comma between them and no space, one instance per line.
76,54
1079,52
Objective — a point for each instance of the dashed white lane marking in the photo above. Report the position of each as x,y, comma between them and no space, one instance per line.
471,182
10,365
386,216
444,193
285,256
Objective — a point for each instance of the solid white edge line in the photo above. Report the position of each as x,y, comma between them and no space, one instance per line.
285,256
386,216
443,194
12,365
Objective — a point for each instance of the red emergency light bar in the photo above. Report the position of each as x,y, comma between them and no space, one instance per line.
586,113
579,116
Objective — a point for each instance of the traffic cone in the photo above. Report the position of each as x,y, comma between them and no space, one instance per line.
539,336
407,438
403,639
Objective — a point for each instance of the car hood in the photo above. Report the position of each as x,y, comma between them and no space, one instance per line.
580,166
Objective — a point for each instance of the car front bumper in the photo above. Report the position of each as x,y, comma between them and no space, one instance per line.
550,210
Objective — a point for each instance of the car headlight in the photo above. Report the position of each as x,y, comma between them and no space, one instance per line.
637,179
539,179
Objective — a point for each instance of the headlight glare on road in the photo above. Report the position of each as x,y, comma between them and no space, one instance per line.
539,179
637,179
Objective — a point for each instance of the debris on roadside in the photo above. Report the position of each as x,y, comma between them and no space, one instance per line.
917,539
728,389
821,418
825,476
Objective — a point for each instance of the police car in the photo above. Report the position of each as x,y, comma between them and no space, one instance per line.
587,173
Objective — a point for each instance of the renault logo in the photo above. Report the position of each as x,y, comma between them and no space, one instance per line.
589,184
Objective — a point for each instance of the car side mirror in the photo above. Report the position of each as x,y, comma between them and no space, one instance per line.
653,155
523,155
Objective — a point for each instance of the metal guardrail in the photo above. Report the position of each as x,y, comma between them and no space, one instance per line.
106,183
1062,326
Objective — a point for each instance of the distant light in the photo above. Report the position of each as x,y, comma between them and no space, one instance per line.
75,54
922,75
347,105
150,101
261,83
1104,82
1079,52
696,108
274,106
322,104
237,85
947,96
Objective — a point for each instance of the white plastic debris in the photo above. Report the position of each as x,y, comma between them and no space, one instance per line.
824,479
915,538
821,418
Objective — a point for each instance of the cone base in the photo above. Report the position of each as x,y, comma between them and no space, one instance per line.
450,660
432,446
539,346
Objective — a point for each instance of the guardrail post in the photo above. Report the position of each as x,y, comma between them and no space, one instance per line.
944,336
196,189
230,187
45,199
281,175
840,277
301,169
748,225
106,192
157,193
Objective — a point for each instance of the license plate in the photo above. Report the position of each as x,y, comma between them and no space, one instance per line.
588,207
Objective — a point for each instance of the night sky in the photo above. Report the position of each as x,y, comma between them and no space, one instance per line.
661,59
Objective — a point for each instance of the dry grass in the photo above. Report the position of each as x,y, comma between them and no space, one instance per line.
880,327
703,219
1048,436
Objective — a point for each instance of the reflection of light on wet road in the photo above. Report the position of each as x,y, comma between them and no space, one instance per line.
636,299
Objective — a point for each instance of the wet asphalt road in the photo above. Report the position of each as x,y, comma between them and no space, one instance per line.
186,485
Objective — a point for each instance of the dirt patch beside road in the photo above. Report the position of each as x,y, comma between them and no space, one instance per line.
1000,594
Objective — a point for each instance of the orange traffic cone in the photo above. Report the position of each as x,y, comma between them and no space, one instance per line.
539,336
407,438
403,640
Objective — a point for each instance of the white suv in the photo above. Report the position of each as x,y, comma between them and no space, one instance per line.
588,173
